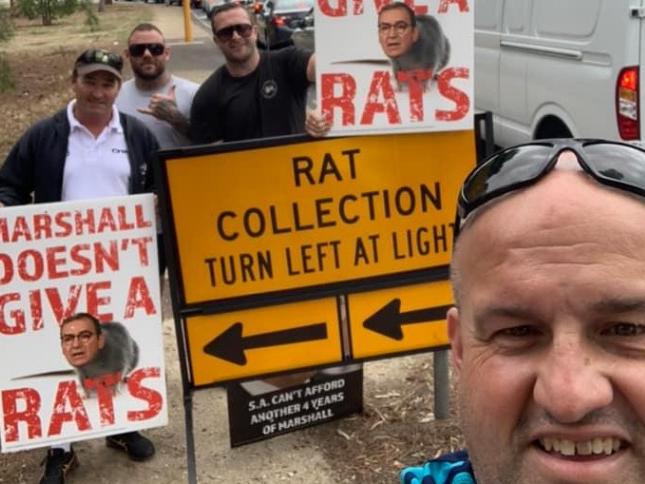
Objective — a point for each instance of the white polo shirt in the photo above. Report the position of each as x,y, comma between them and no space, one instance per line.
95,167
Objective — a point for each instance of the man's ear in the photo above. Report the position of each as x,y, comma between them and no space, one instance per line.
415,33
456,342
101,340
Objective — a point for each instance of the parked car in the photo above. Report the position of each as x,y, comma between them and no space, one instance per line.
303,36
561,68
277,19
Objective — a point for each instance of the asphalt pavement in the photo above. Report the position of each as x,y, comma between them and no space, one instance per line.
195,59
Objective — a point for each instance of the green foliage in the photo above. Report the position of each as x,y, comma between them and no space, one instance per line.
48,10
6,81
6,32
6,25
91,19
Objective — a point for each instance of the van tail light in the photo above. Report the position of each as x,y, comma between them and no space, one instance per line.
628,103
278,21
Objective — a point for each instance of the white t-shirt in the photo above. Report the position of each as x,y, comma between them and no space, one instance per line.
131,98
95,167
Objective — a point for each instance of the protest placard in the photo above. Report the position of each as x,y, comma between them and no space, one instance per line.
403,71
56,260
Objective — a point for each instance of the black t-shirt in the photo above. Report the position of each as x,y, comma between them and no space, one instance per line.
270,101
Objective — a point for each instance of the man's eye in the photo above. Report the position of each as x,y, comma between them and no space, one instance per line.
518,331
625,329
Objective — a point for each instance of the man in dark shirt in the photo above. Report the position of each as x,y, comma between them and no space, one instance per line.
255,94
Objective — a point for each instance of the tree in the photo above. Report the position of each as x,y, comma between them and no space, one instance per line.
6,32
91,19
48,10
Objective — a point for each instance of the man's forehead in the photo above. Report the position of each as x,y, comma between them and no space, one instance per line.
232,16
561,194
100,76
141,36
77,323
564,209
393,14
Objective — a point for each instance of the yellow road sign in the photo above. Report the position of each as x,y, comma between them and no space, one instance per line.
399,320
302,215
242,344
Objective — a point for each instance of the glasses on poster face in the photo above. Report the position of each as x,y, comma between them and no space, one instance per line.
83,337
137,50
615,164
399,28
226,34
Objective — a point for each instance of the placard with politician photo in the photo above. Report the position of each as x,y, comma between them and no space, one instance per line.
80,321
386,67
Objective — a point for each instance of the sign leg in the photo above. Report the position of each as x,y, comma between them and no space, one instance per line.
190,438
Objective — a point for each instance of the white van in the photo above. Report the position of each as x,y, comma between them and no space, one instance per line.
560,68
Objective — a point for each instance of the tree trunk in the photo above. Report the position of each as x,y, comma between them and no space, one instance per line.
102,6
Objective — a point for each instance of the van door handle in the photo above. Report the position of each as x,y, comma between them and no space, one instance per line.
540,49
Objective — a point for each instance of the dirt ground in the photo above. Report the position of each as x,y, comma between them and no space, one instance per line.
397,427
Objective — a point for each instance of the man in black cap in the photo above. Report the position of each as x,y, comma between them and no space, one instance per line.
87,150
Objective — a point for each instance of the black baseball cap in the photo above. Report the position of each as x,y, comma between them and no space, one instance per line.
93,60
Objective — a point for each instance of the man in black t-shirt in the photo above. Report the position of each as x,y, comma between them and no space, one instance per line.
254,95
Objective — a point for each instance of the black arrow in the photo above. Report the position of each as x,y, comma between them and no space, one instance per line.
230,345
389,319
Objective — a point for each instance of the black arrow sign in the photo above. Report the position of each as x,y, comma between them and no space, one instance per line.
389,319
230,345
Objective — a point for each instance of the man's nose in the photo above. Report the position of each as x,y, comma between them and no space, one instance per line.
570,382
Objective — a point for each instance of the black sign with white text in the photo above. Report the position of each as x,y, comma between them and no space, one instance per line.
324,398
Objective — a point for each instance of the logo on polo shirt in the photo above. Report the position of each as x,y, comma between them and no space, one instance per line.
119,150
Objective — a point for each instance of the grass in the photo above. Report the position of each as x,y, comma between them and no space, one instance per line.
115,23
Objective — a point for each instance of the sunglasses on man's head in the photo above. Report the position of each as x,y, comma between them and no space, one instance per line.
137,50
243,30
611,163
100,56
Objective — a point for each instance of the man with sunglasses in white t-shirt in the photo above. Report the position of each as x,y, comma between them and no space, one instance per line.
155,96
548,328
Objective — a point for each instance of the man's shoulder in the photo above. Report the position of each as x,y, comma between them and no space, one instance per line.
447,469
290,52
134,127
208,87
50,124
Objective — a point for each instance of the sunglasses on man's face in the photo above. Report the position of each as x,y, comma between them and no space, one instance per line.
137,50
226,34
618,165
